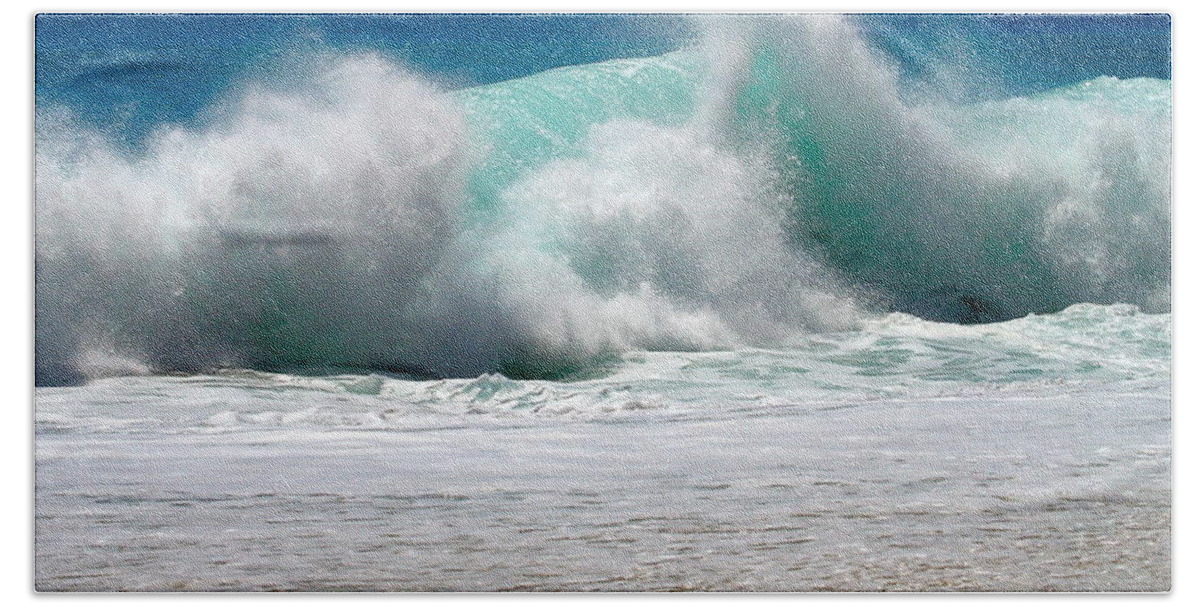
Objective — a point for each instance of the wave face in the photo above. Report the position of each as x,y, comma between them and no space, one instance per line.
779,177
968,212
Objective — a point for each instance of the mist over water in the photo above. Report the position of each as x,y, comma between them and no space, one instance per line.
968,211
775,178
603,303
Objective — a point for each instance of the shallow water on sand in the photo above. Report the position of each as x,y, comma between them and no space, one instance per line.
1041,490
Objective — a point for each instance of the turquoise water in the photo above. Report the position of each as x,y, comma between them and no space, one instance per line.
771,177
1081,351
911,455
777,303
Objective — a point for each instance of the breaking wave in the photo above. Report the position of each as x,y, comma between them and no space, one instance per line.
773,180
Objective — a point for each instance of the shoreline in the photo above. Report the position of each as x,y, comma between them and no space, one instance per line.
978,494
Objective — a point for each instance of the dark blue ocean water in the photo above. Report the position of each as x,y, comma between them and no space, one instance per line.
423,193
127,73
779,304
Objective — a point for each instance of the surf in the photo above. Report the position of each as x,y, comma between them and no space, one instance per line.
780,177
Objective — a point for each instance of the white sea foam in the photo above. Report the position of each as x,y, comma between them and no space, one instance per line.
360,217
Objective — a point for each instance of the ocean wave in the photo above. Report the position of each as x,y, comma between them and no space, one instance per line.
773,182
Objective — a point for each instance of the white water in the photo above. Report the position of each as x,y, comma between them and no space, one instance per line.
362,218
743,415
910,455
302,489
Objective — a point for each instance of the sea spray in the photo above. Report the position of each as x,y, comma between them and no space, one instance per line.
278,235
779,177
662,361
965,212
